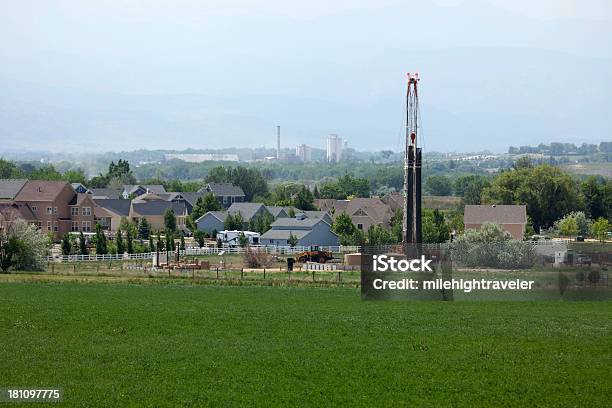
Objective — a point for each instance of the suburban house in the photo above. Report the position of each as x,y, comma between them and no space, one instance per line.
394,200
226,193
50,202
109,212
212,221
512,218
215,220
308,231
364,212
135,190
154,211
82,214
325,215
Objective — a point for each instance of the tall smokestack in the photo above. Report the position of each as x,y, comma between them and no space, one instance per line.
278,142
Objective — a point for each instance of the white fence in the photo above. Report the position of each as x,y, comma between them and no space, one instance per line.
277,250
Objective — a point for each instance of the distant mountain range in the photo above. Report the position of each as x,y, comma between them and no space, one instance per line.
490,79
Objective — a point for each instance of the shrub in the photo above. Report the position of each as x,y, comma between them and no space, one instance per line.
257,257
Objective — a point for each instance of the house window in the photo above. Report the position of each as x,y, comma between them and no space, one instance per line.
39,224
54,210
86,211
48,225
224,200
49,210
34,208
75,226
55,226
360,226
86,226
74,211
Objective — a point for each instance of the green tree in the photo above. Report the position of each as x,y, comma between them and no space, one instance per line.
199,237
597,193
242,239
170,221
66,245
439,185
378,235
547,192
434,227
144,228
82,244
234,222
292,241
9,249
600,229
160,243
568,226
129,240
101,248
151,245
304,200
182,247
204,204
120,247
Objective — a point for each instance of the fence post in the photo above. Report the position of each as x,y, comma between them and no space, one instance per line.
241,273
53,268
217,272
73,268
264,273
313,278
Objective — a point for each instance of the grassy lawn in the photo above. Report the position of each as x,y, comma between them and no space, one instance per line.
176,345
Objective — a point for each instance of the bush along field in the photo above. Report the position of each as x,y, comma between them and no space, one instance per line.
177,345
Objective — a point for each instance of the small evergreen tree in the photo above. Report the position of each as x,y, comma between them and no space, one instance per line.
101,248
182,242
66,245
119,242
242,239
144,228
129,242
293,240
82,244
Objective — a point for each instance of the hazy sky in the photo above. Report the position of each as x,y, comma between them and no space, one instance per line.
348,52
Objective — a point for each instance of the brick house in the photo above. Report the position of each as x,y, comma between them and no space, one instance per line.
82,214
50,203
512,218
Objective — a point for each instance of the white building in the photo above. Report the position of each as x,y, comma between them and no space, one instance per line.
233,237
334,148
304,152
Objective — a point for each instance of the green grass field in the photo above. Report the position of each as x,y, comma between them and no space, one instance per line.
193,345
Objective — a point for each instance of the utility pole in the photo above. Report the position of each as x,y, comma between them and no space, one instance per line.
412,234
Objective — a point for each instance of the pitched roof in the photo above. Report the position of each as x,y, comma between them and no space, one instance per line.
220,215
276,210
190,197
158,207
16,210
248,210
10,187
499,214
118,206
151,188
284,234
79,198
104,193
395,200
288,223
374,208
38,190
315,214
224,189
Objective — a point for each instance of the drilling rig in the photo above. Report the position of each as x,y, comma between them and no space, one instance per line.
412,234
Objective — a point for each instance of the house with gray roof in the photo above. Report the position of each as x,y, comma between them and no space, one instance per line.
108,212
9,188
226,193
135,190
212,221
249,211
154,211
308,231
512,218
